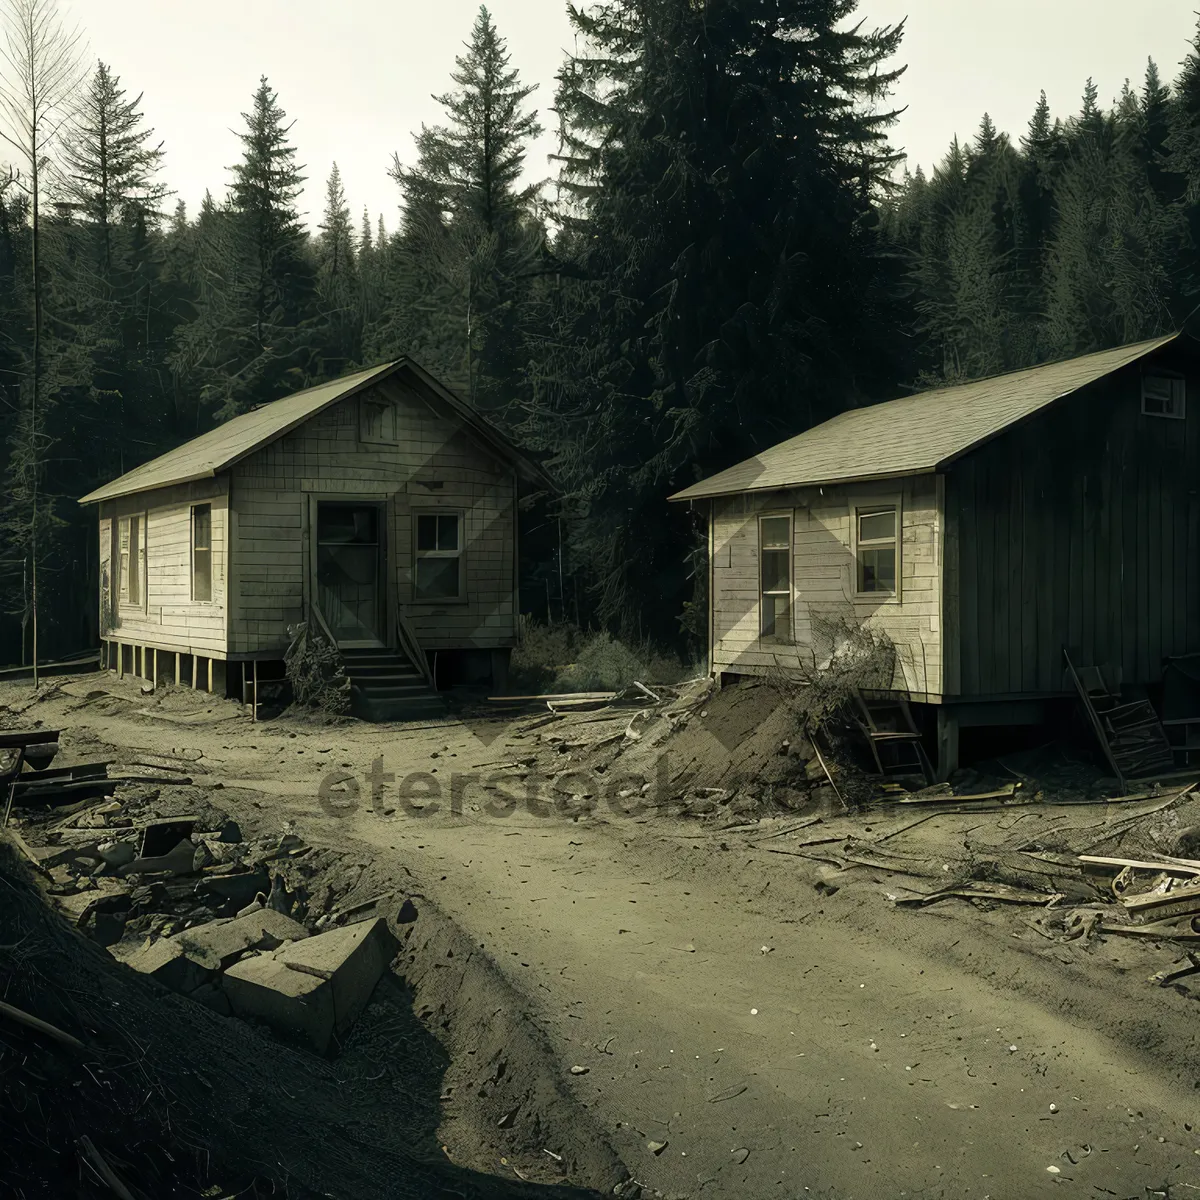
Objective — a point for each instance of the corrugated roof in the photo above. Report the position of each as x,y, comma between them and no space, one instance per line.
915,433
219,448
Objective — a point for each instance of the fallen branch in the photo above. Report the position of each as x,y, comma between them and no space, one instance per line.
788,829
96,1161
21,1017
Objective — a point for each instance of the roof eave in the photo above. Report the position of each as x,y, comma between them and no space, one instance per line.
836,481
108,493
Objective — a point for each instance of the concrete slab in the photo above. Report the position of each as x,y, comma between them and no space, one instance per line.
166,961
352,958
223,941
294,1004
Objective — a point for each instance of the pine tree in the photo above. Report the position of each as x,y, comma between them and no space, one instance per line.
718,174
469,244
1182,147
253,338
339,291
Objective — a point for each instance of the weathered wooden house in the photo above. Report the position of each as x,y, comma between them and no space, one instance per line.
984,528
379,508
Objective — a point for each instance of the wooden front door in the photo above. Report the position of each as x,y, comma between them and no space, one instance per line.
349,571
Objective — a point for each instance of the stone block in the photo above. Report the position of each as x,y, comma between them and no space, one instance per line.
352,959
294,1004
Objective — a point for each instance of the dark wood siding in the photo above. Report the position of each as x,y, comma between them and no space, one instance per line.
1078,528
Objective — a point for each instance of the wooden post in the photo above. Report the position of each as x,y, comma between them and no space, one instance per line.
947,743
120,661
178,658
255,692
154,668
209,688
195,665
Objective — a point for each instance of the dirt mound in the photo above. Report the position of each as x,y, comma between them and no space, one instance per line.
177,1101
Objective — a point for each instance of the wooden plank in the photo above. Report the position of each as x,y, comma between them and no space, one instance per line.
1142,567
1071,571
965,475
1155,582
1026,598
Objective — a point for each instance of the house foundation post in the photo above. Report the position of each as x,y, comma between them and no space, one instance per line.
947,742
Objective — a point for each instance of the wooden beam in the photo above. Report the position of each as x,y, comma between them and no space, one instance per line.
120,661
178,659
209,687
195,664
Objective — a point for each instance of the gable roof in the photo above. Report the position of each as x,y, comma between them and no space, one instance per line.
914,434
236,439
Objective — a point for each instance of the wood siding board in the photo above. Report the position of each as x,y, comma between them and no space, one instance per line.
967,472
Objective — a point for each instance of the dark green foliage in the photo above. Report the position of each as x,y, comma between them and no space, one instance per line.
1082,239
461,271
724,288
253,337
725,262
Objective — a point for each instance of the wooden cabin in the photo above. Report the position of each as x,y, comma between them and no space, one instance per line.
379,508
984,528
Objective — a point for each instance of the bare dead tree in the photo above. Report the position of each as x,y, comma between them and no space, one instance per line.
41,73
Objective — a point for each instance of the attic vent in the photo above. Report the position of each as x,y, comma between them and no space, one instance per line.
1163,396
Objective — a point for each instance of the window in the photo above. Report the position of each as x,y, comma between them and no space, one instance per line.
202,552
132,562
378,422
1163,396
775,568
438,557
876,550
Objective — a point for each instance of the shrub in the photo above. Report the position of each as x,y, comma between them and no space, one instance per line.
314,669
563,658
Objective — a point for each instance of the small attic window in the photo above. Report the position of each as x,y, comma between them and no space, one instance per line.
377,422
1163,396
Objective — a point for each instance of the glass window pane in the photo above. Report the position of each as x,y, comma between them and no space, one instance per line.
775,571
876,526
775,617
343,523
202,526
878,570
427,533
447,532
202,575
774,530
437,578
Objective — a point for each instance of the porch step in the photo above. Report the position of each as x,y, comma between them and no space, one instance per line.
387,686
401,669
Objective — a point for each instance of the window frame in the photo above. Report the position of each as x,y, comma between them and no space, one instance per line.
1176,380
131,562
787,636
211,598
388,436
871,506
460,554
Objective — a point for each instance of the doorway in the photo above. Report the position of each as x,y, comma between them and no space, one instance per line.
350,571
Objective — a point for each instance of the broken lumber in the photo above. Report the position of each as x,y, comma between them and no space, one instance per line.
993,891
1176,866
950,797
1166,978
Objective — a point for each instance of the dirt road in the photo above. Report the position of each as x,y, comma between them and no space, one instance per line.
743,1033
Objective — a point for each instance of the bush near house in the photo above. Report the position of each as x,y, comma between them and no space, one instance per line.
563,658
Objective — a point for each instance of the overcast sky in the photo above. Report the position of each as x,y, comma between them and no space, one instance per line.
356,76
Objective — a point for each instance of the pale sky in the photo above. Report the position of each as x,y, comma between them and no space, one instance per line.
356,76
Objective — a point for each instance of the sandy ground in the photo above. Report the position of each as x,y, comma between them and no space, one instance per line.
748,1022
